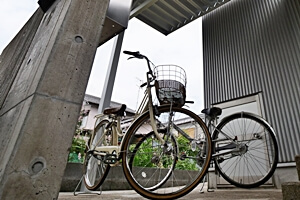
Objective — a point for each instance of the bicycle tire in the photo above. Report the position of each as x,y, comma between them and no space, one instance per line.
144,145
256,155
94,169
182,179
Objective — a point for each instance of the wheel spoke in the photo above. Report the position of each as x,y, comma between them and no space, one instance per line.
95,170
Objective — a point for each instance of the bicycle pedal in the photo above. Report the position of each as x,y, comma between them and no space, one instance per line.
110,159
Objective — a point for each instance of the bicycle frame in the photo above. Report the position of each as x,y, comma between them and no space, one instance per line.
232,146
115,122
115,126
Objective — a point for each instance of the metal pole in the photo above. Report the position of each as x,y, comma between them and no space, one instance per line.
111,73
108,85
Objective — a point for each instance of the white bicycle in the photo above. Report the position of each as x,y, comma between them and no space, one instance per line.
166,151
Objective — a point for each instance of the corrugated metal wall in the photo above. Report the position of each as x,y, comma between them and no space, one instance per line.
252,46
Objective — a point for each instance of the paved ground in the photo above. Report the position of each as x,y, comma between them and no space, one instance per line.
223,194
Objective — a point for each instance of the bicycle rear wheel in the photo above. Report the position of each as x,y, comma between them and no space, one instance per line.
166,170
253,153
94,168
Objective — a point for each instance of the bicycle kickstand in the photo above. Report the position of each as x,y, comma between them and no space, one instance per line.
84,190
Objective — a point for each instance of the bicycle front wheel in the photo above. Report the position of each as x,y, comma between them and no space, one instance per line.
94,168
169,169
250,157
145,146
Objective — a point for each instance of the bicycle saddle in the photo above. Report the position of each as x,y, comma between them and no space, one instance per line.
212,112
117,111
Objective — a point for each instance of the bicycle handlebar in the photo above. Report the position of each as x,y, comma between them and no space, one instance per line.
137,54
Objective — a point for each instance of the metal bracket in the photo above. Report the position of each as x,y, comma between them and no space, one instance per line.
45,4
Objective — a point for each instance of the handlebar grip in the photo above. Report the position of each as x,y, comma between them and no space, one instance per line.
143,85
135,54
192,102
130,52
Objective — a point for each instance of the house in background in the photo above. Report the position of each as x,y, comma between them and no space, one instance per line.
90,109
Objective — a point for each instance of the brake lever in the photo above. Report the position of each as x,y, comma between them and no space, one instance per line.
130,58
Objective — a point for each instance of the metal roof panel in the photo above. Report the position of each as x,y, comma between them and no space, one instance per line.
167,16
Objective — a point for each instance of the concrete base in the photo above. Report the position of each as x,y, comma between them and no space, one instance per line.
284,173
74,172
72,176
114,181
291,191
221,194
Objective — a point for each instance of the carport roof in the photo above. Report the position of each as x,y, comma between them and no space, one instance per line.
167,16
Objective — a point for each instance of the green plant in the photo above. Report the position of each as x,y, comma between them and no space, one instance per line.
78,143
184,147
77,149
149,148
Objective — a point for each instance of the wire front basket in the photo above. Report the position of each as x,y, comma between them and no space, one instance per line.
170,84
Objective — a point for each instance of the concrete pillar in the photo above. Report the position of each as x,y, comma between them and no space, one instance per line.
291,191
12,56
39,114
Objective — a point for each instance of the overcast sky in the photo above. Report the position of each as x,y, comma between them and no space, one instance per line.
182,47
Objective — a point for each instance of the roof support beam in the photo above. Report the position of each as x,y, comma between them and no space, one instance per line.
111,73
174,10
142,7
185,8
195,5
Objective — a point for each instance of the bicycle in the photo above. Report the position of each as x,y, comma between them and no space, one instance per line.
167,140
245,149
165,152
